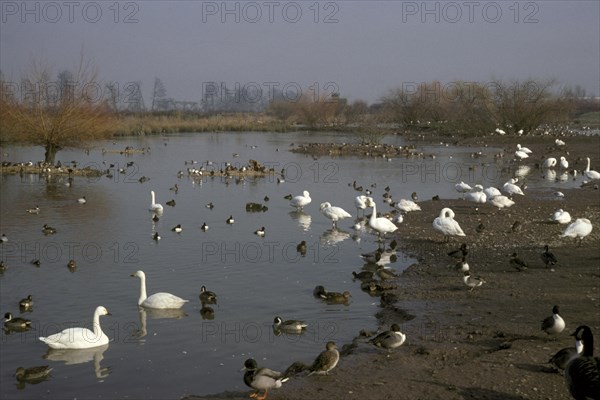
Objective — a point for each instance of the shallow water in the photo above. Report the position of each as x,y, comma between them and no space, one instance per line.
169,354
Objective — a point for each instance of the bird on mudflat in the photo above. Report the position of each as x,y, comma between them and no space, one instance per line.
517,263
389,339
582,373
548,258
553,324
261,378
326,361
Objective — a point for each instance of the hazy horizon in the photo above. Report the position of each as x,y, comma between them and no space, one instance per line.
361,49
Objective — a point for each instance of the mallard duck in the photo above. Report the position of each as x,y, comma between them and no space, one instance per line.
582,374
207,297
261,378
15,323
26,303
335,297
362,275
290,325
389,339
385,273
32,375
319,291
48,230
553,324
326,361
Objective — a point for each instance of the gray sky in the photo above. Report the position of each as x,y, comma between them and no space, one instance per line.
365,48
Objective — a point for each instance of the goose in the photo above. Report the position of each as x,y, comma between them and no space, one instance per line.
521,155
290,326
48,230
157,300
564,164
472,281
511,189
501,202
462,187
477,195
582,373
360,202
381,225
204,227
559,142
549,162
553,324
446,224
207,297
335,297
80,338
578,229
563,356
326,361
260,232
26,303
177,228
155,207
32,375
406,206
591,174
523,149
561,217
491,192
548,258
517,263
301,201
11,322
230,220
389,339
261,378
461,252
82,200
34,210
333,213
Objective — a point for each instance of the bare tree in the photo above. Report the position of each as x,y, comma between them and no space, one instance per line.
56,114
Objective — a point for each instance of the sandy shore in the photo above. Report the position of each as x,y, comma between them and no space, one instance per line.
484,344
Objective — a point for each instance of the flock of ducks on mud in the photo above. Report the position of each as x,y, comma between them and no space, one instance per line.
581,368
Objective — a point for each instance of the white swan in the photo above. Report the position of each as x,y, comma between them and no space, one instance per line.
501,202
477,195
524,149
593,175
333,213
405,205
561,217
510,188
300,201
360,202
446,224
79,338
564,164
381,225
491,192
559,142
462,187
155,207
157,300
500,131
521,155
578,229
549,162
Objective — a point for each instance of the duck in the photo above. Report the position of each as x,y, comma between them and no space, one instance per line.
414,196
80,338
72,265
319,291
462,265
230,220
207,297
157,300
561,217
26,303
288,196
302,248
389,339
204,227
472,281
177,228
154,206
155,218
501,202
549,162
582,373
207,312
384,273
34,210
578,229
174,188
156,236
360,202
301,201
564,164
336,297
563,356
210,206
11,322
326,360
82,200
260,232
381,225
289,326
590,174
36,262
553,324
446,224
362,275
261,378
461,252
548,258
33,374
406,206
171,203
48,230
517,263
333,213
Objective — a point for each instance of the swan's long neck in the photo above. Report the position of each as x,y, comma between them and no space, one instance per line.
96,324
142,290
153,199
587,169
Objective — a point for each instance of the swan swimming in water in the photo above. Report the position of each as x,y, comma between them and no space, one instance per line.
157,300
155,207
79,338
446,224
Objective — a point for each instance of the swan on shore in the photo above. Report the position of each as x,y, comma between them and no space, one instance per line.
578,229
80,338
591,174
446,224
561,217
